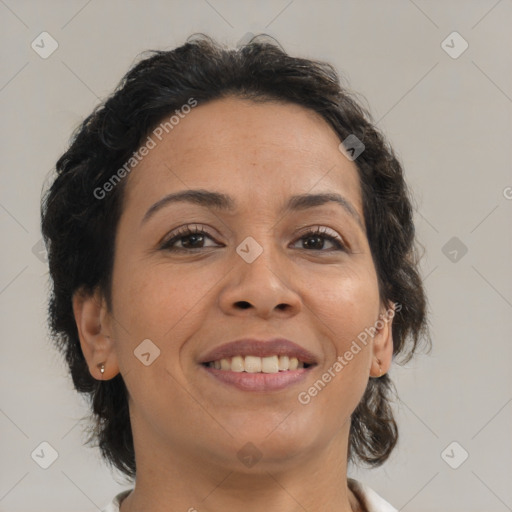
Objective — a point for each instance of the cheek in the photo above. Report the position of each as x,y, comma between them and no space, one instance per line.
162,305
340,383
347,302
345,309
159,302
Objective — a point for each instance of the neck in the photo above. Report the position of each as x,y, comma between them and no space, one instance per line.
180,479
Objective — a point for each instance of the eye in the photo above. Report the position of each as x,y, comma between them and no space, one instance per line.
190,238
315,238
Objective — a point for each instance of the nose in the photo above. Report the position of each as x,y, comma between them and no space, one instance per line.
262,288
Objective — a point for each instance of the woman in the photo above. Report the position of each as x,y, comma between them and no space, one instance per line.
232,252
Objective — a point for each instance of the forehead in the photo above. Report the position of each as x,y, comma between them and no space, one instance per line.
252,150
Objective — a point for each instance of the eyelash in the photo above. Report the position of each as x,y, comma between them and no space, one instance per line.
187,231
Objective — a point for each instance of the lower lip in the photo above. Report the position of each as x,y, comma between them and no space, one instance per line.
258,381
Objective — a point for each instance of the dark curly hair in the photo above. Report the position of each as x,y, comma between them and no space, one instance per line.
79,229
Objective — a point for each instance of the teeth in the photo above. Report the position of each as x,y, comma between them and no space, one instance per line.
252,364
284,362
255,364
237,364
270,364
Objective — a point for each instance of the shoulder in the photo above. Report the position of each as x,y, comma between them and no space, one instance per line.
113,506
369,498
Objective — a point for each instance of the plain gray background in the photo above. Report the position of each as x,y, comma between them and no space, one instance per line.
449,120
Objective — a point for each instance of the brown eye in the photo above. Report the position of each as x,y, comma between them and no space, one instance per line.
315,240
189,238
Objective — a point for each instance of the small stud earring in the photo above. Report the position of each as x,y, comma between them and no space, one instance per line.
101,366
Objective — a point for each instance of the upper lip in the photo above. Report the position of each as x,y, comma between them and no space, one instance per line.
261,348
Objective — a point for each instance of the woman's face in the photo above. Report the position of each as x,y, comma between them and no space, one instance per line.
253,271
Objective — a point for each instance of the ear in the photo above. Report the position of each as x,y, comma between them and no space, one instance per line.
383,343
95,333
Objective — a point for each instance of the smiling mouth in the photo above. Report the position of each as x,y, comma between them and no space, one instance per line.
256,364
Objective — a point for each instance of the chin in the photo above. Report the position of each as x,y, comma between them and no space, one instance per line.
277,439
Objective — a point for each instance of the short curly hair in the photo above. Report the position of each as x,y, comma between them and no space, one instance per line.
79,229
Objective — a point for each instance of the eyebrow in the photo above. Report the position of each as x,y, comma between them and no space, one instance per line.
223,202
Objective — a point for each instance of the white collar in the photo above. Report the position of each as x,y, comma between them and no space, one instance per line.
369,498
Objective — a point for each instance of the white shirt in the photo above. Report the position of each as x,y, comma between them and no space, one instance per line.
368,497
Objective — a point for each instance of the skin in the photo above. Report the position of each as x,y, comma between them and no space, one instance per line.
188,427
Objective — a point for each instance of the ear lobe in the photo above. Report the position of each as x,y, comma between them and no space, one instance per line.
383,343
91,317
